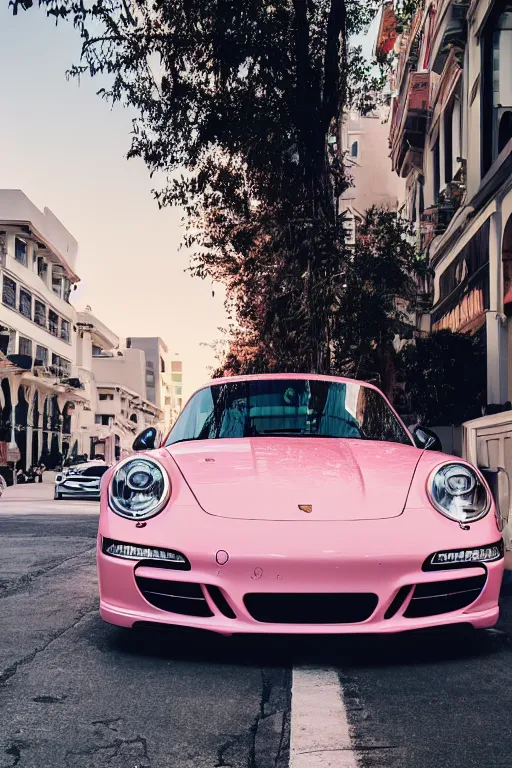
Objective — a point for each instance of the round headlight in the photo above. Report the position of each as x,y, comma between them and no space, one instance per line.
457,492
139,488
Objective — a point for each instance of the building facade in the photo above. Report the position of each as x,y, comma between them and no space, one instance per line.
39,391
66,387
364,144
116,408
451,141
164,377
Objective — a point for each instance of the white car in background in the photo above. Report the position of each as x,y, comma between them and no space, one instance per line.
81,481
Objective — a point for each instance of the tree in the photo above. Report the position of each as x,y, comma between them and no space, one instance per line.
373,297
446,377
244,95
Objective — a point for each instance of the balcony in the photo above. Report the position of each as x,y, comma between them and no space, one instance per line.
450,33
435,221
410,120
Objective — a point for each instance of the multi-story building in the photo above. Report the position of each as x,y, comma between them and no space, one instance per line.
364,144
39,389
163,376
65,386
176,387
117,408
451,140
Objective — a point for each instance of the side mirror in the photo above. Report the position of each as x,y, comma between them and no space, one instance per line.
426,439
146,441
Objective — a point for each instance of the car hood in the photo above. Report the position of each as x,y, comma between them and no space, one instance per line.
267,478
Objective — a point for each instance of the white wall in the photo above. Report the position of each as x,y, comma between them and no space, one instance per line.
129,370
15,206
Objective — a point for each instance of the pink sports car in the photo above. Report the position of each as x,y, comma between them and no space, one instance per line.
296,504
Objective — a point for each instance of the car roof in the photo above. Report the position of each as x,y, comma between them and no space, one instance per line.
277,376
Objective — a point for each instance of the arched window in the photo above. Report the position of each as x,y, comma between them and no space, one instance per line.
354,150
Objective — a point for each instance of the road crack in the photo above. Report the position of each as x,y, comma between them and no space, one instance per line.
8,673
10,588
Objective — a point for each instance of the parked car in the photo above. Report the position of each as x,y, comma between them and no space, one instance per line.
297,504
81,481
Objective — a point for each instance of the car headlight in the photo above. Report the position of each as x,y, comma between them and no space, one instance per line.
139,488
457,492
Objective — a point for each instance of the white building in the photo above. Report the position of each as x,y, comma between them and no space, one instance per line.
65,386
39,388
117,408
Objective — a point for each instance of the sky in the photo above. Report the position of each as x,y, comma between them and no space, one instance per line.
66,149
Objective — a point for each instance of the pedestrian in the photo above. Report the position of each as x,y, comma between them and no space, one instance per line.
40,471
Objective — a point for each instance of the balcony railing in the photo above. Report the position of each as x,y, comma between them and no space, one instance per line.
410,118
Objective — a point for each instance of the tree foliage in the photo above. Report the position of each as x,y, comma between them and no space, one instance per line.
236,103
373,295
446,377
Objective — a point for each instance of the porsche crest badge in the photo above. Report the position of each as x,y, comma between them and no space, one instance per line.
308,508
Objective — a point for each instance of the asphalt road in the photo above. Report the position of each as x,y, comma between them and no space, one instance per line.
78,693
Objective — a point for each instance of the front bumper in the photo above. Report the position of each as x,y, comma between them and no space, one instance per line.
370,560
91,491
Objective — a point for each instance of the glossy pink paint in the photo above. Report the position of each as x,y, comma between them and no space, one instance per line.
370,530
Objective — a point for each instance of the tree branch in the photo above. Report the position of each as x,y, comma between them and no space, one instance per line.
336,38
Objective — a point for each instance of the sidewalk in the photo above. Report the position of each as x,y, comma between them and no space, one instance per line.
28,492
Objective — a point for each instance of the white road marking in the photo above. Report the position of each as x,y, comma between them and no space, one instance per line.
320,733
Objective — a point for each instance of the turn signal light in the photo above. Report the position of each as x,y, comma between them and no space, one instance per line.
461,557
139,552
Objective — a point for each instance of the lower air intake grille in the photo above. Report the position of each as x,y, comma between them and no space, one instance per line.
174,596
438,597
221,602
307,608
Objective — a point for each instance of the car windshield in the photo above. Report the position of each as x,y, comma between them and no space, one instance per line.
288,408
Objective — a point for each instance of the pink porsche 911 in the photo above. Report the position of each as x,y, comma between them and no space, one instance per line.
296,504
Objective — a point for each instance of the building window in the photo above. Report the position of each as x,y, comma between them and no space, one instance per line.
65,330
9,292
25,347
41,355
168,401
7,340
106,397
53,322
20,251
177,377
40,313
177,391
62,366
162,365
102,419
354,150
57,281
448,144
437,171
96,351
42,268
496,107
26,303
176,366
